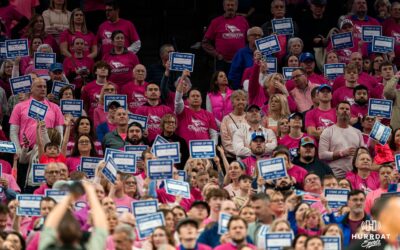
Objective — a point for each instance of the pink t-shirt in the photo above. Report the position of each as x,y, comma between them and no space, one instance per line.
25,62
91,95
135,95
195,125
165,198
8,14
69,37
357,24
344,54
154,115
121,67
298,173
370,183
251,164
343,93
359,111
229,35
73,163
123,204
72,65
99,116
293,143
363,78
93,5
320,119
303,97
5,167
106,29
27,125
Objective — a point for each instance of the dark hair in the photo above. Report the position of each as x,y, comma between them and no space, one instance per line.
297,238
63,89
115,33
92,135
193,89
180,208
298,206
47,198
385,63
21,239
353,162
328,177
303,71
77,176
102,64
135,124
312,173
359,87
354,193
4,209
260,196
392,143
152,83
113,3
281,149
170,238
286,58
213,86
215,192
51,144
311,238
69,229
75,150
235,218
245,177
342,102
344,179
314,92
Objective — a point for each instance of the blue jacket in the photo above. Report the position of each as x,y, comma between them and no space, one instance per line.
242,60
210,236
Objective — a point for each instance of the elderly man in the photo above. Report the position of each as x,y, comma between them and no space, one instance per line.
244,57
135,89
51,174
228,33
124,237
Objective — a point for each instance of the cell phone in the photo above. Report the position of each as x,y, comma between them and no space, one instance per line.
76,188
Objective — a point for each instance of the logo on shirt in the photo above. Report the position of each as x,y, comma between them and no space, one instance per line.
326,122
153,122
138,100
350,100
118,67
233,32
197,126
107,37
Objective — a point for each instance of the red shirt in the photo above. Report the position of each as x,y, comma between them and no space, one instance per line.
71,65
44,159
135,95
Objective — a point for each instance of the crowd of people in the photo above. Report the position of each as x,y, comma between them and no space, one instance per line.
320,127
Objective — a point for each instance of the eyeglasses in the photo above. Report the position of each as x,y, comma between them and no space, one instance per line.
297,76
53,172
85,142
311,180
130,183
109,90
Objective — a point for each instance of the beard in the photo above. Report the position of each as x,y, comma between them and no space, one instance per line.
360,102
308,158
283,188
344,117
239,241
133,141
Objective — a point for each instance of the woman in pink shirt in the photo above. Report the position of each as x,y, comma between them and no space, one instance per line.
84,147
99,114
130,187
362,177
218,99
117,192
36,29
22,63
77,28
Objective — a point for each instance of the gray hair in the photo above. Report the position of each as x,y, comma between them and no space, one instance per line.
164,47
45,46
237,93
252,29
128,230
295,39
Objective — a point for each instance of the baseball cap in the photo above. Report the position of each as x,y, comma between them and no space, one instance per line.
252,106
306,56
293,115
324,86
56,66
201,203
306,141
115,104
345,21
256,135
318,2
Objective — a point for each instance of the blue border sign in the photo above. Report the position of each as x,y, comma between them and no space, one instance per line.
159,169
174,187
342,40
57,195
37,110
182,175
125,162
382,44
38,172
88,165
141,119
380,133
336,197
122,99
8,147
44,60
3,50
17,47
136,149
283,26
268,45
73,107
109,152
202,149
271,169
29,204
333,70
287,72
140,208
223,223
331,242
369,31
168,151
147,223
380,107
21,84
276,241
272,64
181,61
57,85
397,159
110,171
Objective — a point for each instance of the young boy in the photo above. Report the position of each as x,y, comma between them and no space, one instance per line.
345,93
49,152
245,191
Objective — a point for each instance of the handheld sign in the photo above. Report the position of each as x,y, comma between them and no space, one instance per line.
272,65
37,110
287,72
73,107
144,207
17,47
276,241
397,157
202,149
342,40
110,171
223,223
3,50
181,61
380,133
110,151
159,169
336,197
271,169
283,26
88,165
268,45
21,84
8,147
38,173
147,223
331,242
141,119
57,85
159,140
29,205
380,107
382,44
168,151
369,31
136,150
121,99
57,195
125,162
182,175
176,188
123,209
44,60
333,70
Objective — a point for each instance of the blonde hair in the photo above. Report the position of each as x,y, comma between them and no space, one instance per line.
270,77
276,222
101,100
72,24
284,105
312,211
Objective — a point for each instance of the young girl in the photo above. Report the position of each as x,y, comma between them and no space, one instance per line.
49,152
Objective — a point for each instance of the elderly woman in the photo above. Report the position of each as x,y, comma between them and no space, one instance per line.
295,46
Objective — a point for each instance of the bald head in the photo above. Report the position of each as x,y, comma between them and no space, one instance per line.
39,89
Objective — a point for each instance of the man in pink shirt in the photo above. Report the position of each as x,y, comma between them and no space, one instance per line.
322,116
302,91
135,89
257,147
359,108
237,233
360,17
52,175
114,22
154,110
345,93
228,33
